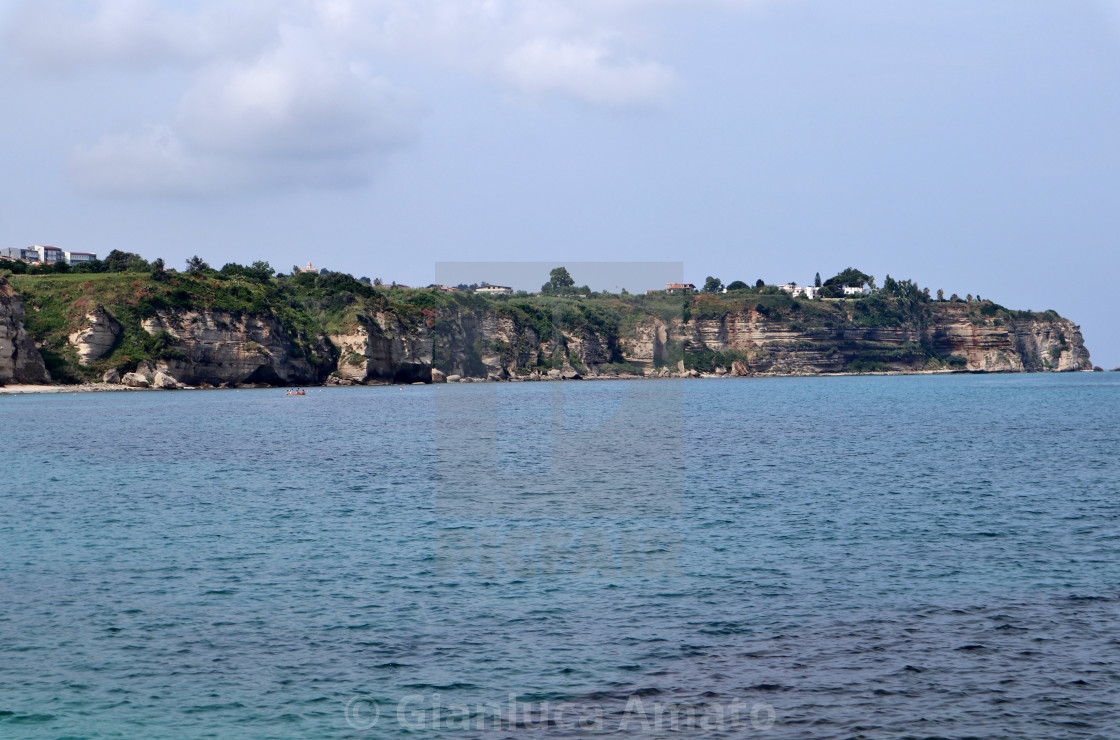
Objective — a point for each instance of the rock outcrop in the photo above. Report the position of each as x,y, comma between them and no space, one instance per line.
20,361
380,348
217,347
97,336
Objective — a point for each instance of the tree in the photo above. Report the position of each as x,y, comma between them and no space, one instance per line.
118,261
817,280
159,269
955,298
196,264
940,294
738,285
261,270
713,285
93,266
760,283
850,277
969,298
559,281
378,282
18,267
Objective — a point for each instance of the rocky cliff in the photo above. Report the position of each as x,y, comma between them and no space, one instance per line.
952,336
20,361
209,330
222,348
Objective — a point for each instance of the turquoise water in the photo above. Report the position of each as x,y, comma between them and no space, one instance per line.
829,557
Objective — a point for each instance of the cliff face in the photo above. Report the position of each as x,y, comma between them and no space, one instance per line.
218,347
205,329
957,339
1016,345
380,347
383,347
20,361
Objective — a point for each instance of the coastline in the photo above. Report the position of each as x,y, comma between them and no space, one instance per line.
16,389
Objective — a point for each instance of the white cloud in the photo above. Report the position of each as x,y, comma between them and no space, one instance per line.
278,89
295,117
67,36
587,71
298,101
152,162
586,49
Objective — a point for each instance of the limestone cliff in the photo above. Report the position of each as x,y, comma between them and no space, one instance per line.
379,347
945,336
221,348
304,329
951,337
20,361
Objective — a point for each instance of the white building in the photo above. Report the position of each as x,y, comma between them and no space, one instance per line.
77,258
864,289
44,254
494,290
47,255
809,291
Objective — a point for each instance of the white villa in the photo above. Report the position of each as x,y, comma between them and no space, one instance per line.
809,291
494,290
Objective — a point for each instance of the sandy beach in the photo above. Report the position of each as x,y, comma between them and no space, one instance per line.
15,389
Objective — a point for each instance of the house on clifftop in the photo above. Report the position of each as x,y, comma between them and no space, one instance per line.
680,288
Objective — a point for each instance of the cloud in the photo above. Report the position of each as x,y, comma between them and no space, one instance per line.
295,117
279,93
590,50
587,71
69,36
152,162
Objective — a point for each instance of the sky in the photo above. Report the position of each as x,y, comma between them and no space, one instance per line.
969,145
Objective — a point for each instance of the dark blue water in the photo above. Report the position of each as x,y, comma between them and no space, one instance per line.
877,557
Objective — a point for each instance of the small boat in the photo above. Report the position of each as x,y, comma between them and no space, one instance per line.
296,393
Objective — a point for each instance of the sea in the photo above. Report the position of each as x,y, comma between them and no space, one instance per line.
839,557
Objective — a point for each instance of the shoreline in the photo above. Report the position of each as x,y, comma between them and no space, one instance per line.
17,389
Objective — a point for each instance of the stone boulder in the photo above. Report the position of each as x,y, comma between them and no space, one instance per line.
135,380
147,369
164,381
739,368
438,376
451,378
111,376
